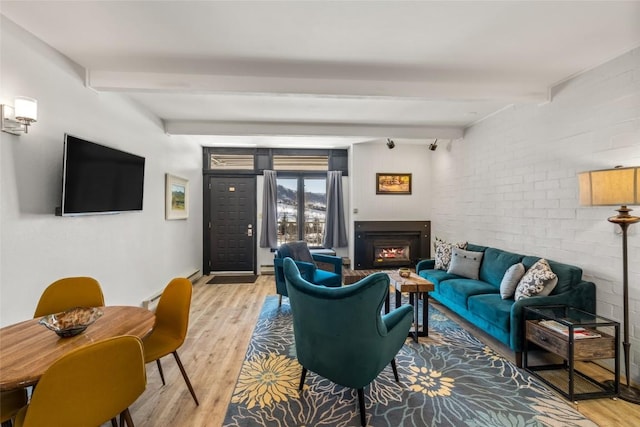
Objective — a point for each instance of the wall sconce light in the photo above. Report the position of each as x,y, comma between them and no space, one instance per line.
434,145
17,119
390,144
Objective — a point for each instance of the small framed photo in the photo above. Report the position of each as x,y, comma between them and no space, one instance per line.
176,197
393,183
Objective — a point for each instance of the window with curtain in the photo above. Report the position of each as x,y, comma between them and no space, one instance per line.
336,228
302,208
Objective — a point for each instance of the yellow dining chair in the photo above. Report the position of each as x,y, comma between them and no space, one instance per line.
170,329
10,403
68,293
88,386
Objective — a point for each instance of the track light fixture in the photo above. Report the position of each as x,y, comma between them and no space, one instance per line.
390,144
433,146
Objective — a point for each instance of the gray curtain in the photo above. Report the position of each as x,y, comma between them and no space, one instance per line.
335,233
269,236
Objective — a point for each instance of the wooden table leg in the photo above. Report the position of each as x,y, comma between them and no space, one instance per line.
425,314
414,299
386,304
416,329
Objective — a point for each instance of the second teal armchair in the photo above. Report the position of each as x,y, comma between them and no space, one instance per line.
306,261
340,333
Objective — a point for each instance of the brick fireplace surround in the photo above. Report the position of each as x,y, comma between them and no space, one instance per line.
373,237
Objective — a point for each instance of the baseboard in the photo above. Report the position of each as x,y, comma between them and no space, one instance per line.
193,277
152,302
267,270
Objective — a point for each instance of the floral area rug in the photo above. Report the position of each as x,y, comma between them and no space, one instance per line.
448,379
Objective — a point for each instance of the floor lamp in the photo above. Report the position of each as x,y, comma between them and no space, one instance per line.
617,187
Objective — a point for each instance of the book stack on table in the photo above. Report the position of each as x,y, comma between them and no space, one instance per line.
578,333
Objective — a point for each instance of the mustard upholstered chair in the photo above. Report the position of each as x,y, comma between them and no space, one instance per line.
68,293
88,386
170,329
10,403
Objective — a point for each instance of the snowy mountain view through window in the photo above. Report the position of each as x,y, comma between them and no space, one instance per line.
301,197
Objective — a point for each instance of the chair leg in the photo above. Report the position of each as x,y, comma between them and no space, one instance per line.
114,422
280,301
125,418
7,423
186,378
160,370
363,415
304,374
395,369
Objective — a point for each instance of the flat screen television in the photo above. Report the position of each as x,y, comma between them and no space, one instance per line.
99,180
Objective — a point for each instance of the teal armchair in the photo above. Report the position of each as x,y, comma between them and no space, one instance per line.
340,333
306,262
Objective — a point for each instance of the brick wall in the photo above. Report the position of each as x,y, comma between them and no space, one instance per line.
511,182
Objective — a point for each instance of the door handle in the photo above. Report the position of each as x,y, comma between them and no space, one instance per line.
250,230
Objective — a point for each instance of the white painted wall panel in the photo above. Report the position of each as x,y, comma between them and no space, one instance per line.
133,255
367,159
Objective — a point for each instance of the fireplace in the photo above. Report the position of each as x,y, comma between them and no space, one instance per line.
391,253
390,244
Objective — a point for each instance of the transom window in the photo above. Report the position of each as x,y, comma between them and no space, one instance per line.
231,161
300,163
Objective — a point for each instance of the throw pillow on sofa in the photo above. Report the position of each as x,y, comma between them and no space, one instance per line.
443,252
511,279
465,263
538,280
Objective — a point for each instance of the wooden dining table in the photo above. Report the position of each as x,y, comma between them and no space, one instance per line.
27,349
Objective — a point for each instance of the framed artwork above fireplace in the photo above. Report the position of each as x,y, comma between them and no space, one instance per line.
393,183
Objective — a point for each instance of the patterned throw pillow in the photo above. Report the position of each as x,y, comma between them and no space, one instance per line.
443,252
539,279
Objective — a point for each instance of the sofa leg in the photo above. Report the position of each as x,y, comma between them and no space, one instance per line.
519,359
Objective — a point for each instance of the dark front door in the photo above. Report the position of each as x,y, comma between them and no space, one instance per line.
232,223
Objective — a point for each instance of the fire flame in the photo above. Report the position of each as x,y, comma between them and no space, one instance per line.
397,252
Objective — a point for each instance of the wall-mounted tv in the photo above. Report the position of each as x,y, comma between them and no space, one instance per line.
99,180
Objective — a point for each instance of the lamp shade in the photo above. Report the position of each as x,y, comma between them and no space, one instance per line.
26,109
610,187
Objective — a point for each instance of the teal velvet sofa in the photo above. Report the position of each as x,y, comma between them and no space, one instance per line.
479,301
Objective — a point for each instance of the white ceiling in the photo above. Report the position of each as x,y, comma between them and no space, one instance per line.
321,73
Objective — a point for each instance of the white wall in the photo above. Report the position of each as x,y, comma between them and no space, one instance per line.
367,159
133,255
511,183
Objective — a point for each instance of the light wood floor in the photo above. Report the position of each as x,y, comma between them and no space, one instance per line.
221,324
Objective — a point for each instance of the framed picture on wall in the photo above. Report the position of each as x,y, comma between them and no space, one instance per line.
393,183
176,197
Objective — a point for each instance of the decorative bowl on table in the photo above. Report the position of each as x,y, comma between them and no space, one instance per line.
404,272
71,322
